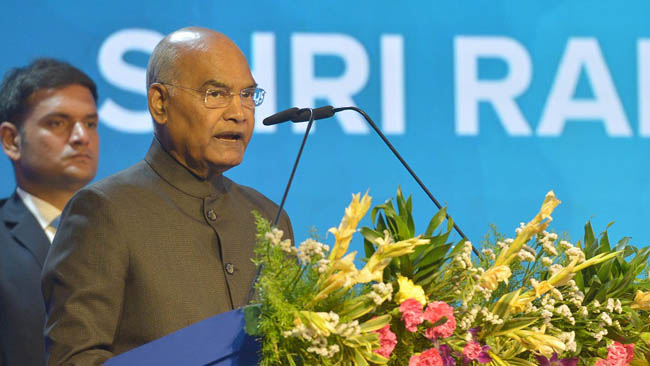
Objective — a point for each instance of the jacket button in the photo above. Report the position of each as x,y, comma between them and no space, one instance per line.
230,268
212,215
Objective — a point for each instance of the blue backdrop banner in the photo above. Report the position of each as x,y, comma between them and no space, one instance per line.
492,102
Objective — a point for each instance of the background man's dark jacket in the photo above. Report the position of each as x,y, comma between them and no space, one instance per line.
23,247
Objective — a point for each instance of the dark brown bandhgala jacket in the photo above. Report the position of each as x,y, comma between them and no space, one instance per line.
144,253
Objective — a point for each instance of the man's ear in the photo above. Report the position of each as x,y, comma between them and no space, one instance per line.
158,98
10,139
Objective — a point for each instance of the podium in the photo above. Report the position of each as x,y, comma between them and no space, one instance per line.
216,341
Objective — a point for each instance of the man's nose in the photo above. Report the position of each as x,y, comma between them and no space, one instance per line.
80,134
235,110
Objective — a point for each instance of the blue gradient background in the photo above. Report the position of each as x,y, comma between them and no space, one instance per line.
483,179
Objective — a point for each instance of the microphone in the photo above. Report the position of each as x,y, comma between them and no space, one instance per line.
283,116
299,115
305,114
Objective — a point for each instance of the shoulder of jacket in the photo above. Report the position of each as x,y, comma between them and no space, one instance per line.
251,194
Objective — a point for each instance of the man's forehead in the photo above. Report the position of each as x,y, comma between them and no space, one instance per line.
71,102
70,96
213,83
217,66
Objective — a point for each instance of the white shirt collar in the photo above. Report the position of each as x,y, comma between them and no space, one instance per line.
43,211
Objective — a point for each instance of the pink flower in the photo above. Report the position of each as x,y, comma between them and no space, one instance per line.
630,351
434,312
430,357
618,355
472,350
387,341
410,305
412,316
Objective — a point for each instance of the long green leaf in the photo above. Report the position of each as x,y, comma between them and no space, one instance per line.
589,240
375,323
604,272
592,288
433,255
515,324
359,360
601,294
457,248
436,243
604,243
436,220
502,307
622,244
374,357
405,213
370,236
426,271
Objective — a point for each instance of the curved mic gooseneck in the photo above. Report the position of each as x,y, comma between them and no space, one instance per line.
404,163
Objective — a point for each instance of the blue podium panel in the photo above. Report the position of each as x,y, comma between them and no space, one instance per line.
216,341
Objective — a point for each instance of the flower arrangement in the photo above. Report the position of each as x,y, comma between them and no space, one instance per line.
419,300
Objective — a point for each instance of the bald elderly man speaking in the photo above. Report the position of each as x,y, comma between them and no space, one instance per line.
167,242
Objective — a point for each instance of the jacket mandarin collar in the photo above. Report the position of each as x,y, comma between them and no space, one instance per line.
179,176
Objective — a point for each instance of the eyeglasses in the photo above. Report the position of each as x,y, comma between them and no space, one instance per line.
218,97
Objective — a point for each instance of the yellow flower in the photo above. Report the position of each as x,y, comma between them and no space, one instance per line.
535,226
519,304
542,288
342,274
561,278
565,275
602,257
539,342
549,204
345,264
321,323
386,251
641,300
409,290
343,234
491,278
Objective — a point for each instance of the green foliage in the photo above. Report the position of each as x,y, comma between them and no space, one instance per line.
611,279
554,290
423,265
284,288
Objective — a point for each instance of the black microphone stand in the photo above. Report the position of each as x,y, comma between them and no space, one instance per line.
251,292
295,166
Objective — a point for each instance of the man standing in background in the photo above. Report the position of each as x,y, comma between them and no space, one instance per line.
48,129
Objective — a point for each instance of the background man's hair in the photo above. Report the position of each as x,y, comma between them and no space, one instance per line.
43,73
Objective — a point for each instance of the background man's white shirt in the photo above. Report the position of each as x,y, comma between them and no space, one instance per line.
44,212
